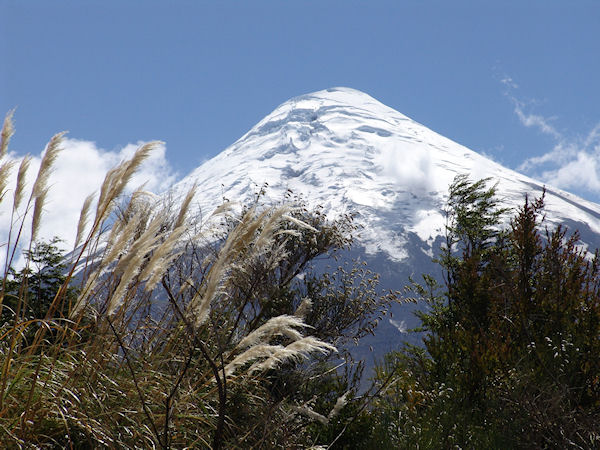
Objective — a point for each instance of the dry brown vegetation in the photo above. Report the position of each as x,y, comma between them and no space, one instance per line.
167,332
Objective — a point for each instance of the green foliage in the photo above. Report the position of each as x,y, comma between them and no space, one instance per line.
510,357
29,292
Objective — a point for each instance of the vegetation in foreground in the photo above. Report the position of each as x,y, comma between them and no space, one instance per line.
510,359
159,331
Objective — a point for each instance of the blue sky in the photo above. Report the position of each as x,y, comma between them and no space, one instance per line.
515,80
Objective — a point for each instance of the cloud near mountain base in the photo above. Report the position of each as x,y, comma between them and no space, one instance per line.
78,172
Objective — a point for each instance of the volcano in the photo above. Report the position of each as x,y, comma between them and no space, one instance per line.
347,152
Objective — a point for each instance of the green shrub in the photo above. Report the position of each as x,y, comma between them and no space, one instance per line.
510,356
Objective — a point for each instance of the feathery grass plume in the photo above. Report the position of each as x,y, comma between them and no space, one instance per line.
5,169
266,235
300,223
277,326
83,219
123,230
293,233
164,254
241,236
239,240
311,414
110,180
199,306
131,263
243,233
120,234
133,217
116,179
339,404
8,130
297,350
185,205
138,158
274,255
21,180
117,243
143,244
251,354
160,260
222,208
303,308
236,243
139,194
37,213
48,160
139,200
306,410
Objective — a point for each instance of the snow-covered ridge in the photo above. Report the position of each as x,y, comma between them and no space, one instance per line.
344,150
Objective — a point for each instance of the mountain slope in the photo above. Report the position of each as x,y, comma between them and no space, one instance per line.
344,150
348,152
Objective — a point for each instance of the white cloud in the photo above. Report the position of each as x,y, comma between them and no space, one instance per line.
78,172
572,163
509,82
580,172
527,119
534,120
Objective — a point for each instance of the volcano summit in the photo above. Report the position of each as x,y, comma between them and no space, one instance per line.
347,152
344,150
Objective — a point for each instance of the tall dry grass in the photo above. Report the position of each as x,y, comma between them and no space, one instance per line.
158,344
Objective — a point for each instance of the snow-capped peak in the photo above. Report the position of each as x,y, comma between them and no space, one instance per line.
344,150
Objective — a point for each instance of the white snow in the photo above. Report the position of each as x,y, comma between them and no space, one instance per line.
344,150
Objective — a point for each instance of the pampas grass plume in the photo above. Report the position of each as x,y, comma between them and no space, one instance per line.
21,180
304,308
83,219
48,160
297,350
8,130
116,179
37,213
185,205
311,413
5,169
161,259
300,223
276,326
251,354
339,404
